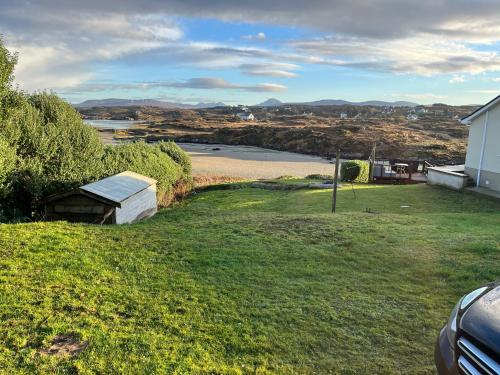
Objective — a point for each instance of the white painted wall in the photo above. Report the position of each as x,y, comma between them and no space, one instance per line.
442,177
138,206
491,159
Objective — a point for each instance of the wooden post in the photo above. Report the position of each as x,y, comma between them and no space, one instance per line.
335,181
372,162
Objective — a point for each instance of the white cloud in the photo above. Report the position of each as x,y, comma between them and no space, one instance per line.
457,78
381,19
203,83
269,87
61,41
49,58
420,54
271,69
272,73
258,36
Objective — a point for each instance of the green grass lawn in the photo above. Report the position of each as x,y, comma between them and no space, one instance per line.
249,281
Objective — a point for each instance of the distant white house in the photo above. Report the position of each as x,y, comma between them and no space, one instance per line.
343,115
245,116
421,110
412,117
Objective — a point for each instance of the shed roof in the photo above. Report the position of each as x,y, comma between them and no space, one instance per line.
119,187
478,112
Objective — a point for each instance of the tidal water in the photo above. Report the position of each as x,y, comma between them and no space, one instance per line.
112,124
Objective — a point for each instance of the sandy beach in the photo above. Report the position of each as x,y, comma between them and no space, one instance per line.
252,162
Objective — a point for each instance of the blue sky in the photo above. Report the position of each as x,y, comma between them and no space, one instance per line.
236,52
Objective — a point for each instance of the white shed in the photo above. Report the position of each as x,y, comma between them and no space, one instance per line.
122,198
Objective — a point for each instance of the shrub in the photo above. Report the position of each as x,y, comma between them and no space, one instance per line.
180,190
55,150
178,155
7,166
355,171
70,150
145,159
319,177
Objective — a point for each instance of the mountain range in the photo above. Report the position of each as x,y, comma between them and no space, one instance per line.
144,103
376,103
268,103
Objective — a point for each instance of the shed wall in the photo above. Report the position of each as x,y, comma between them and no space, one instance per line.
447,179
139,206
77,208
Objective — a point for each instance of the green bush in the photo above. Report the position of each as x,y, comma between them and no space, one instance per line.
355,171
55,150
7,166
145,159
178,155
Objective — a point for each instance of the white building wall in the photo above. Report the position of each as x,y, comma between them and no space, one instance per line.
491,158
138,206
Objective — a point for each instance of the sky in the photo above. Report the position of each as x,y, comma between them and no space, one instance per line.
244,52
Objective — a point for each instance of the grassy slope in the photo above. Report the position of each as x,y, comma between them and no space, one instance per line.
241,280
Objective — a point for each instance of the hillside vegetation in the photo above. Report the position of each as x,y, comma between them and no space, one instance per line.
247,281
436,135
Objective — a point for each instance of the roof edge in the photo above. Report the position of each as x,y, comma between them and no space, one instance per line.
478,112
55,197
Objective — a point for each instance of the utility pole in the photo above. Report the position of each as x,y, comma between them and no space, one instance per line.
372,162
335,181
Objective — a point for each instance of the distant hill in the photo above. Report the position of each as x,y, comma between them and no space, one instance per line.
376,103
270,103
144,103
208,105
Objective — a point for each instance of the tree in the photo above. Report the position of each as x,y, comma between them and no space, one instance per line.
7,166
8,62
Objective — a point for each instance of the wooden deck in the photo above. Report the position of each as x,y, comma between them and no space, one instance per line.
403,178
